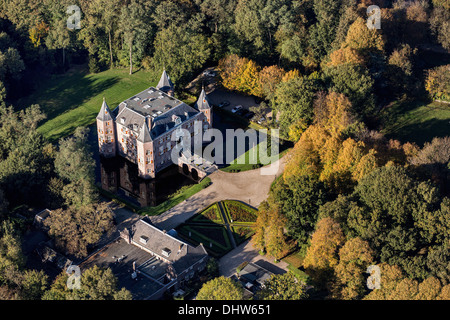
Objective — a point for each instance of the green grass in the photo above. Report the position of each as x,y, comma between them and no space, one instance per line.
74,98
171,202
416,121
246,161
176,199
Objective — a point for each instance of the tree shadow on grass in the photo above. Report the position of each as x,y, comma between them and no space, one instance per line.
423,131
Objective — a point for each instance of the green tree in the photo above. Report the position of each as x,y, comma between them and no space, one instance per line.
293,100
355,82
220,288
132,25
283,287
181,50
95,284
300,198
75,164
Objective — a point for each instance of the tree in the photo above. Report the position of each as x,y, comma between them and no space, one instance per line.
437,82
355,82
283,287
95,284
75,165
269,231
294,101
322,256
363,39
256,22
299,198
74,229
220,288
131,24
354,258
440,26
24,165
270,77
182,50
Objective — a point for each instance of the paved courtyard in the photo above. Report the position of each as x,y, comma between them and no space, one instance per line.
251,187
246,252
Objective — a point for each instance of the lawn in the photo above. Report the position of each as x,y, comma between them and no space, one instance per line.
416,121
74,98
243,163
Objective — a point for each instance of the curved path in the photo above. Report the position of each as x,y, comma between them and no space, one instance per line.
251,187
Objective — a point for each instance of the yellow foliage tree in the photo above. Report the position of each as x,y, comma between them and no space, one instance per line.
363,39
343,56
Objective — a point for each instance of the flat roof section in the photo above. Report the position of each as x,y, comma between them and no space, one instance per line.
119,257
152,102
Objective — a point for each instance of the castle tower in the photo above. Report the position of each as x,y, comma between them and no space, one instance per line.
106,132
203,105
165,84
145,152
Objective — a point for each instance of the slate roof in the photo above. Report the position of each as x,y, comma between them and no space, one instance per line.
105,113
144,135
157,105
202,102
165,84
180,254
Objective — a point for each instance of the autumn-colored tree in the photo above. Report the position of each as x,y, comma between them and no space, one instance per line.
322,256
269,77
269,232
354,258
75,229
345,55
249,79
437,82
240,74
363,39
291,74
38,32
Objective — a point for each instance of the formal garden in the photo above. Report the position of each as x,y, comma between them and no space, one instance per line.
209,226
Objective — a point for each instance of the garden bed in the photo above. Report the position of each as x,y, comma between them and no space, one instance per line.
238,212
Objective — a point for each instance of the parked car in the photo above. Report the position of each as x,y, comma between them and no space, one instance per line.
261,120
209,73
224,104
236,109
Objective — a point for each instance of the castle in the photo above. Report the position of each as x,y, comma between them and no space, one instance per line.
140,128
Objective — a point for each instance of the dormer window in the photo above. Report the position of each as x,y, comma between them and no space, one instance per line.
143,239
122,120
166,252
